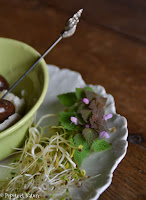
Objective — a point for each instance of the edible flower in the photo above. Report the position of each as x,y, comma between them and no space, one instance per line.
74,120
103,134
85,100
87,125
108,116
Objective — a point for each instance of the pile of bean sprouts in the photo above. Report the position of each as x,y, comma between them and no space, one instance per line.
45,165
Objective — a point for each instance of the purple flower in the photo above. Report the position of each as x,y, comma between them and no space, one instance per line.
74,120
85,100
108,116
87,125
103,134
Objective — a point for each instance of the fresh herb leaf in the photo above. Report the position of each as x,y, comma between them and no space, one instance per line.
98,103
90,135
97,121
89,88
90,95
80,155
80,93
100,145
80,119
86,114
81,107
64,119
71,109
68,99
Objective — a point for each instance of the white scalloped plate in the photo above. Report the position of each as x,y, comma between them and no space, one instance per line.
100,165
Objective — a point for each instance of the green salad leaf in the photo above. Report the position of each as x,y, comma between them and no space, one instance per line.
80,155
68,99
86,114
100,145
80,93
64,119
88,88
84,120
90,135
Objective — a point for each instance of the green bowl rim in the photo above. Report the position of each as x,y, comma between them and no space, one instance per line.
27,116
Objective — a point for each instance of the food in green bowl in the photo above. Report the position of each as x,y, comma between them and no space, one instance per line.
15,59
11,110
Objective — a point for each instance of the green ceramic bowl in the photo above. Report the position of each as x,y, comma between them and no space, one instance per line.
15,58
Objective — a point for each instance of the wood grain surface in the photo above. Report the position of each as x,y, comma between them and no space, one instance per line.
109,49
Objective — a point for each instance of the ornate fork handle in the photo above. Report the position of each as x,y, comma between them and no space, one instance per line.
71,24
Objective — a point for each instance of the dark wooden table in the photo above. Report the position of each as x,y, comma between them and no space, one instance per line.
109,48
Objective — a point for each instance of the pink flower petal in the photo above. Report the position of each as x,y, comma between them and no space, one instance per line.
108,116
85,100
74,120
103,134
87,125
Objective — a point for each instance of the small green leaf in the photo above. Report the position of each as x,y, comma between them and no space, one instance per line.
86,114
64,119
71,109
80,93
100,145
68,99
90,95
81,107
89,88
80,119
90,135
79,156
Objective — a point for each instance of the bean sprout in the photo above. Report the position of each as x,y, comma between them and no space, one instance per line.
45,165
